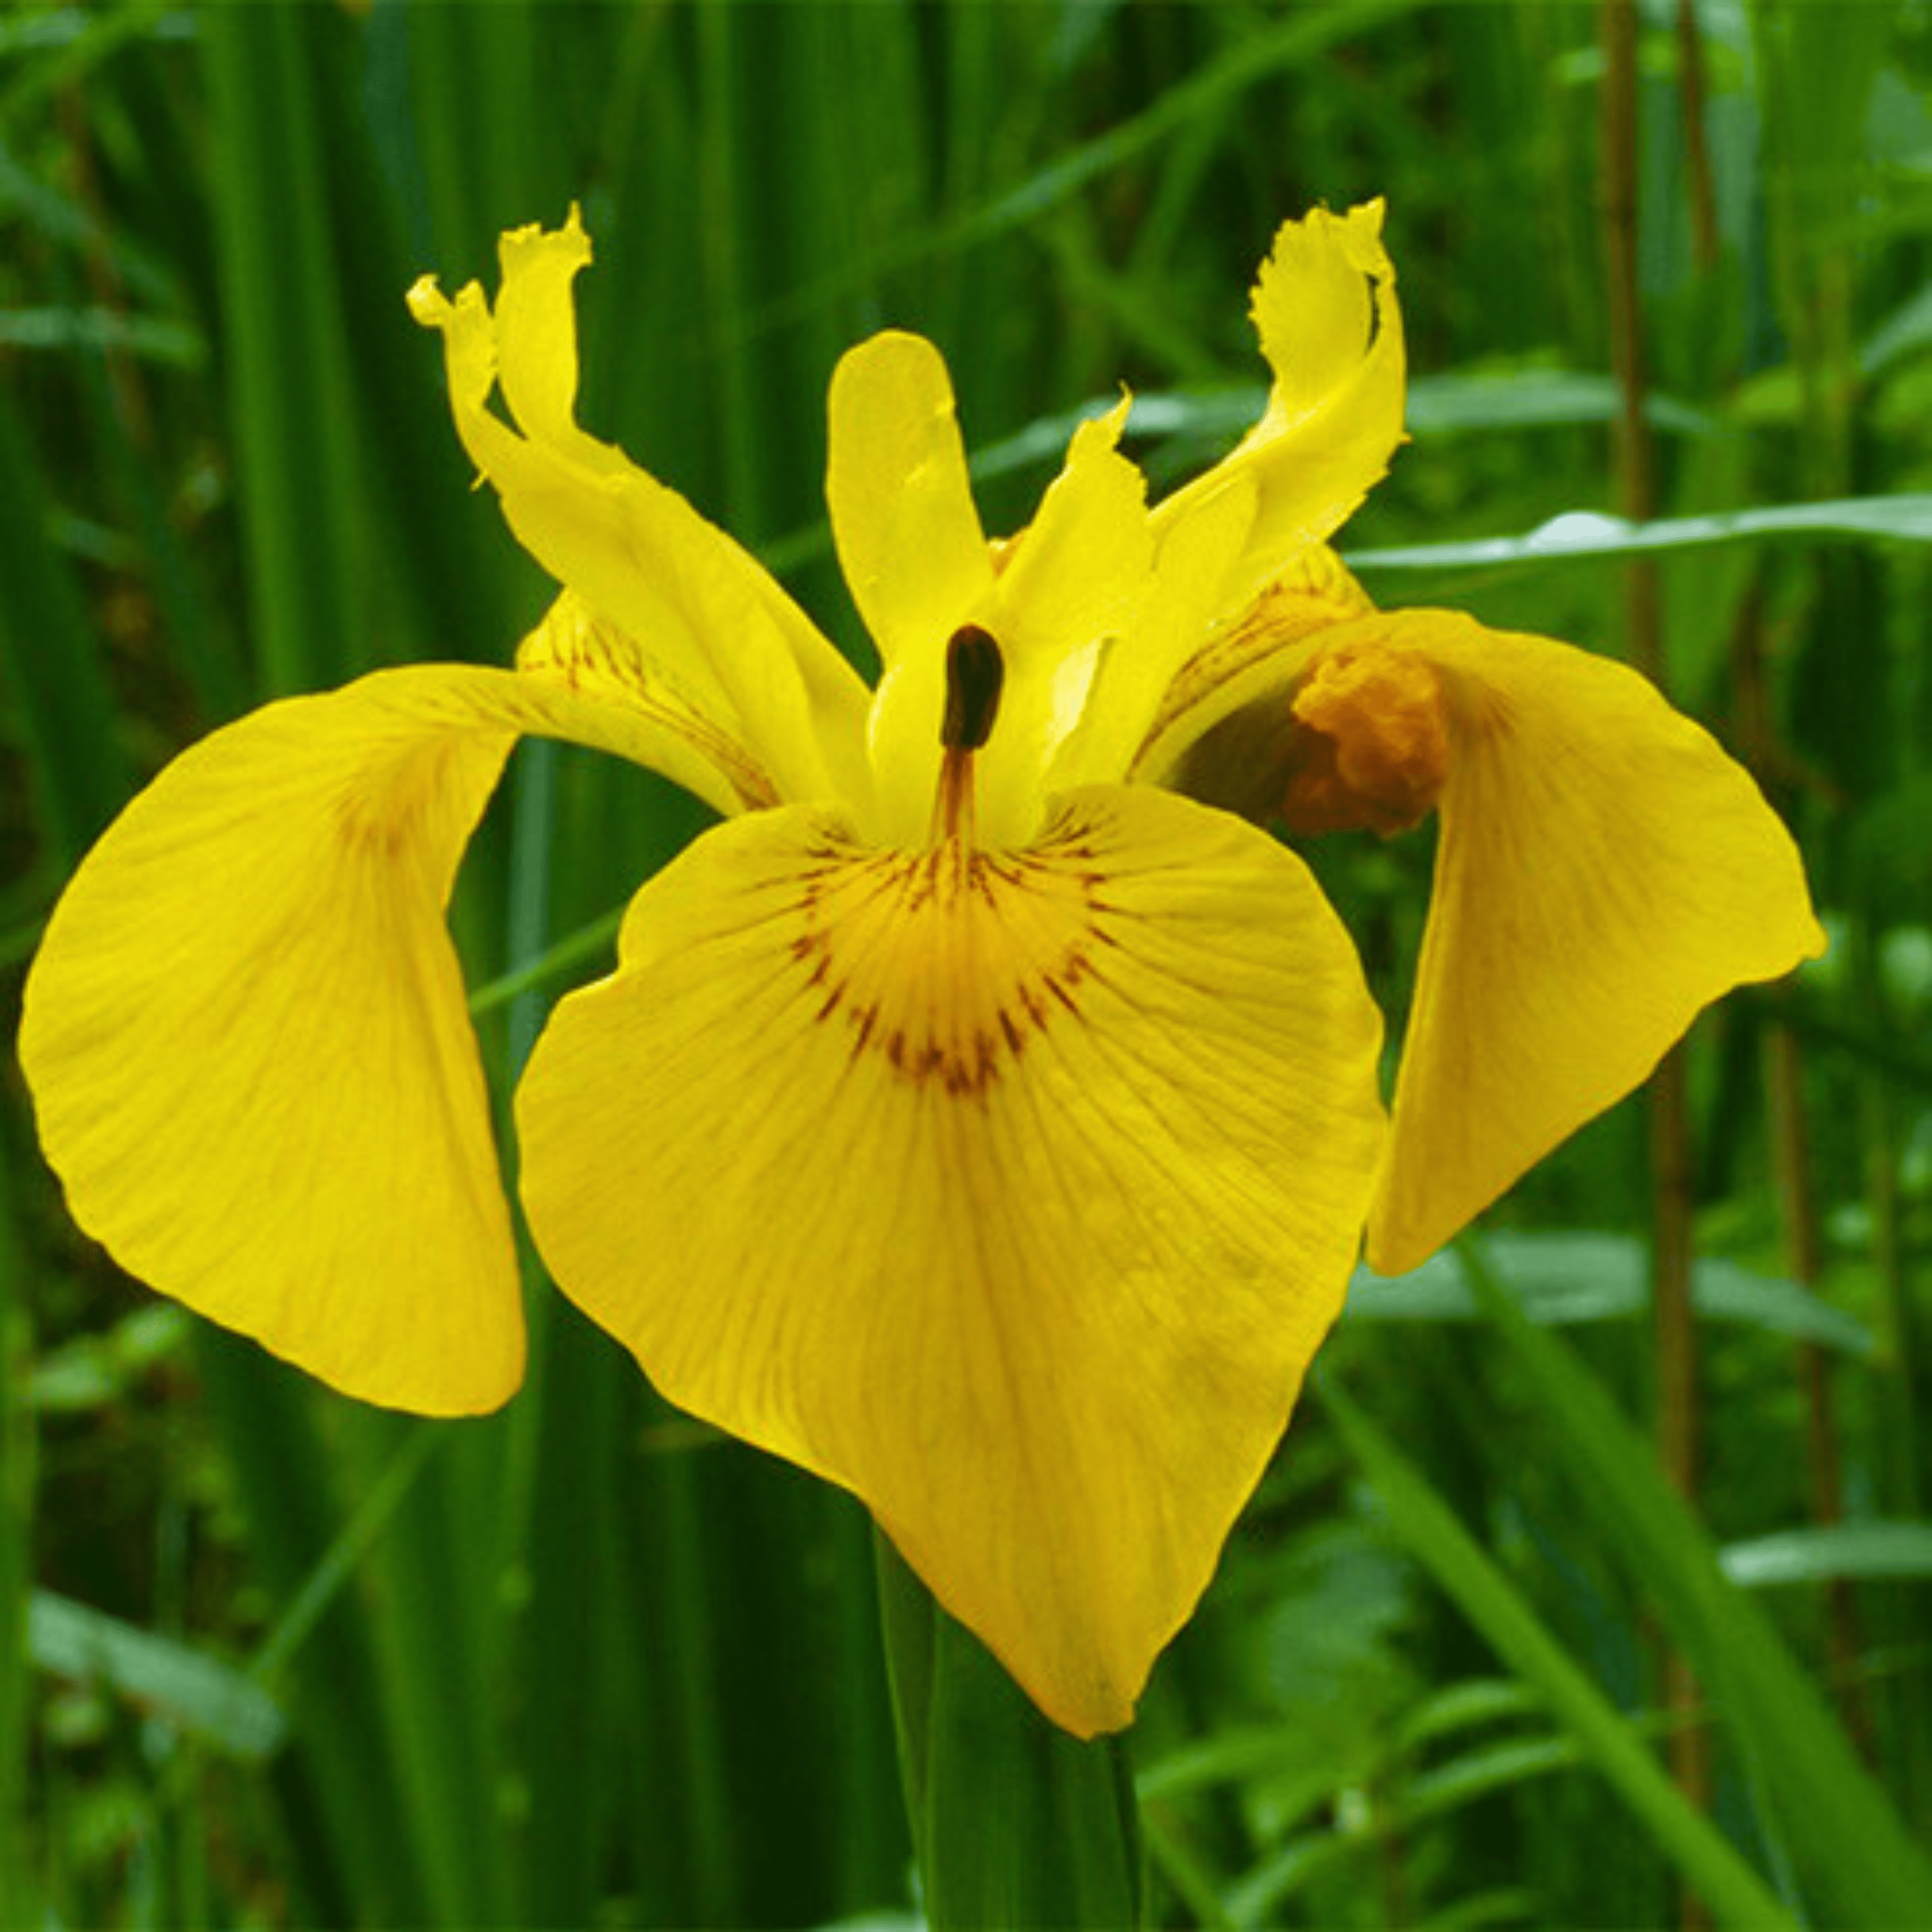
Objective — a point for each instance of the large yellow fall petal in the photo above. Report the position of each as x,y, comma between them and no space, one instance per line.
246,1032
1066,1151
1605,872
1325,308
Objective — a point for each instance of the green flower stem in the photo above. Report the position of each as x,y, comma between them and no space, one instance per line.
1014,1823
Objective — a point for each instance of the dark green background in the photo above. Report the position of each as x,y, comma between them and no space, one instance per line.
582,1663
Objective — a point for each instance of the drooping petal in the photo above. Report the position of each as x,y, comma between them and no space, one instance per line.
246,1033
630,548
1605,872
1263,649
1239,673
1325,308
1013,1192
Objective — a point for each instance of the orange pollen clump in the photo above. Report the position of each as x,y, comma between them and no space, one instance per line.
1371,748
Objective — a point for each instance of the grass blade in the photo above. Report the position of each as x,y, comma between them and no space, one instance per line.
1577,534
1708,1860
206,1697
1849,1844
52,663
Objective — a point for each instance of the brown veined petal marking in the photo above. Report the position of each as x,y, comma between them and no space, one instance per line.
1012,1191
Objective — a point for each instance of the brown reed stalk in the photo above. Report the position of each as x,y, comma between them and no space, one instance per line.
1804,1240
1804,1248
1680,1407
1699,180
1817,281
1900,1327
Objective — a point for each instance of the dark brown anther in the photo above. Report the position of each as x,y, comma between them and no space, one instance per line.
975,674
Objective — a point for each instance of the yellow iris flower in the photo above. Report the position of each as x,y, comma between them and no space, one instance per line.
973,1117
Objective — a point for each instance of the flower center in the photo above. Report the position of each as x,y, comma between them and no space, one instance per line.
947,964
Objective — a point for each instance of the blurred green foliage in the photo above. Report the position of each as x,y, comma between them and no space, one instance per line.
269,1660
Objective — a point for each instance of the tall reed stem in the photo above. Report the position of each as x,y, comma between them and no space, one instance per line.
1804,1240
1680,1411
1700,183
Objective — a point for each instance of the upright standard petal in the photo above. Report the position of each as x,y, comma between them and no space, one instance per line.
1070,1147
903,518
630,548
919,569
914,556
1605,872
246,1032
1325,308
1074,587
1137,668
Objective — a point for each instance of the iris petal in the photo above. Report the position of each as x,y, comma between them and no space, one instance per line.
920,568
1248,662
246,1032
1077,572
1325,308
1069,1147
584,679
1073,586
1605,872
909,537
630,548
535,333
914,555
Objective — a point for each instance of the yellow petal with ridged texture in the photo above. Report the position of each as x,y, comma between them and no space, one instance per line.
1324,306
536,331
1139,666
1249,660
914,555
247,1037
590,683
920,569
1605,872
1013,1192
908,535
1077,573
1071,588
629,546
